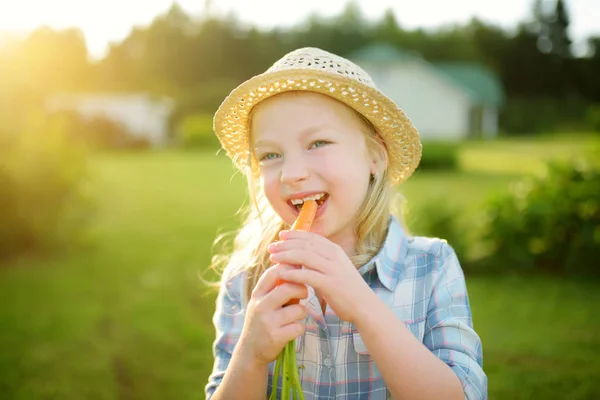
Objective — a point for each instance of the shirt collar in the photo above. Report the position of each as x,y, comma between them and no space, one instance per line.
389,261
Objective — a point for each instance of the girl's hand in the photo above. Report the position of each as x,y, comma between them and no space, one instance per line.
327,269
269,326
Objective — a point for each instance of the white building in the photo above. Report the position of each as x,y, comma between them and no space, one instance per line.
448,101
142,116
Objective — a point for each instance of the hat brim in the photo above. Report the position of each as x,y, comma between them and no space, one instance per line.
399,134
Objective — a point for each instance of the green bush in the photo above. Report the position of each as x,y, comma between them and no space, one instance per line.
196,131
549,222
439,156
203,98
44,198
593,117
98,133
438,219
542,115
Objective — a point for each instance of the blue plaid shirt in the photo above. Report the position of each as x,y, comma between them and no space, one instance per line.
419,278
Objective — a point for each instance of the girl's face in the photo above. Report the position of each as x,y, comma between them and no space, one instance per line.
309,144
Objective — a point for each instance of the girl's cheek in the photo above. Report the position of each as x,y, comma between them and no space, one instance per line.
270,188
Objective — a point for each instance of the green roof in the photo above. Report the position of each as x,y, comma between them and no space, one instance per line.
484,85
481,84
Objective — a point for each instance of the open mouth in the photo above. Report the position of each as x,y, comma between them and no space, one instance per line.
320,198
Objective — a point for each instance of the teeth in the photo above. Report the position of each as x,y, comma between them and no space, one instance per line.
313,197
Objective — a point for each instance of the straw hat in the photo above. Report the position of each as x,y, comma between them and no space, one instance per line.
316,70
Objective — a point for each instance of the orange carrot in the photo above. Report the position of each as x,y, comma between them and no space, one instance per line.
306,216
286,360
303,223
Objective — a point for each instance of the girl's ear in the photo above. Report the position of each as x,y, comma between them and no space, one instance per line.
379,159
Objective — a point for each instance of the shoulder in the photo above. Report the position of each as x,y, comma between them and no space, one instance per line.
432,255
429,247
232,281
407,248
407,257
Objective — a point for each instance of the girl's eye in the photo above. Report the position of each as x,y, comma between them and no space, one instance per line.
320,143
268,156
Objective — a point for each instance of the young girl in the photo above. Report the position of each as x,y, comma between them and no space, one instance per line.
382,314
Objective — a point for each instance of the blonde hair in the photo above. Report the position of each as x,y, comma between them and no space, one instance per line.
262,224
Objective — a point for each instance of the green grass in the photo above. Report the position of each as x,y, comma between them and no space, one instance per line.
540,336
522,155
127,317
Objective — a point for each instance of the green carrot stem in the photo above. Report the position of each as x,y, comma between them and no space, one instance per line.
275,384
285,394
286,365
294,372
288,355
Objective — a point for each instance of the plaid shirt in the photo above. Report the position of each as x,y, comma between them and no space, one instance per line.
419,278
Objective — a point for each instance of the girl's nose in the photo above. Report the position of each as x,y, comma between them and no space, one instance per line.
294,170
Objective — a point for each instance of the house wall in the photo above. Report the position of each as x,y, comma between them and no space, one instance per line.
490,122
141,116
436,107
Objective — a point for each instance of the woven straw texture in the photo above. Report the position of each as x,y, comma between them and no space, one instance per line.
316,70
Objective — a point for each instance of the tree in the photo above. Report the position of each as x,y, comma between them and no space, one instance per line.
388,30
553,30
49,60
551,22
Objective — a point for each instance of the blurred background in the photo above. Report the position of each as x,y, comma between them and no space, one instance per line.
112,188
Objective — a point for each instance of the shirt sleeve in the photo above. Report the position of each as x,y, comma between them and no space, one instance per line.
228,320
449,331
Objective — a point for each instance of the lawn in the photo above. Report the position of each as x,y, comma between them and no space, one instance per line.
127,318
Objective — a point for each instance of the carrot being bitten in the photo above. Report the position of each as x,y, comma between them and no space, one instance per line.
306,216
303,223
286,361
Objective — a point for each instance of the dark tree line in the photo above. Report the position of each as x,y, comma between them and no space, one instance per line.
198,59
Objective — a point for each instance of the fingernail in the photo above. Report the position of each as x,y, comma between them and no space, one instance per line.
283,233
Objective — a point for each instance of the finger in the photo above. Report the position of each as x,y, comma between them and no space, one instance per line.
301,257
305,276
317,240
292,331
283,293
288,314
269,279
324,249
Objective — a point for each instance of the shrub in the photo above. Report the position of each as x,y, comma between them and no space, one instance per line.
97,132
203,98
104,133
542,115
44,202
438,219
439,156
593,117
549,222
196,131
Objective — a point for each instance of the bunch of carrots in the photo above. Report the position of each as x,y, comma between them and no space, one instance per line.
286,361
